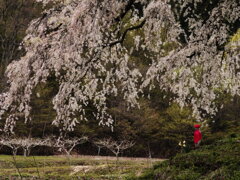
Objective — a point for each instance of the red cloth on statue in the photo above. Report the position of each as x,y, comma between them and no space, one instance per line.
197,136
197,125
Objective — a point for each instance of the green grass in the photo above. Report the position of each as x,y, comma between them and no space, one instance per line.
60,167
220,160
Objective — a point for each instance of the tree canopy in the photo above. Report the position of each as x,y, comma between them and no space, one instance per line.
95,50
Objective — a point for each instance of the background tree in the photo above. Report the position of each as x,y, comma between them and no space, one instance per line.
28,143
116,147
13,144
66,145
25,143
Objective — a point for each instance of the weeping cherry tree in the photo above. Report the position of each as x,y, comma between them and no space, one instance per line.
190,48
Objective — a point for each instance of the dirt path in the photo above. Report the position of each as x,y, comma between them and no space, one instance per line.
114,158
89,168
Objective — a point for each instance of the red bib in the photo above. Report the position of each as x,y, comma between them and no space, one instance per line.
197,136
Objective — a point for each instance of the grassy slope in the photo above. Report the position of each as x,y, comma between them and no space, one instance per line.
57,167
220,160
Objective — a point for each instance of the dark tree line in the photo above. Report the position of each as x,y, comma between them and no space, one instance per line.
15,16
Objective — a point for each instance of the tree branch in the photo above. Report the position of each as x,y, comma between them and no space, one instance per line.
125,33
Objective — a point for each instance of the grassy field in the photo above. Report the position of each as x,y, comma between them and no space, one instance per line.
75,167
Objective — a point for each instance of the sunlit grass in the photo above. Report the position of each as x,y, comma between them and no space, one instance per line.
61,167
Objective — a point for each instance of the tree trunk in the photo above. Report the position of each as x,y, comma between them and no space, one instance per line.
28,152
25,152
14,151
99,149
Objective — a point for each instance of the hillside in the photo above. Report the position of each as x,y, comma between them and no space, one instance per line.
220,160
